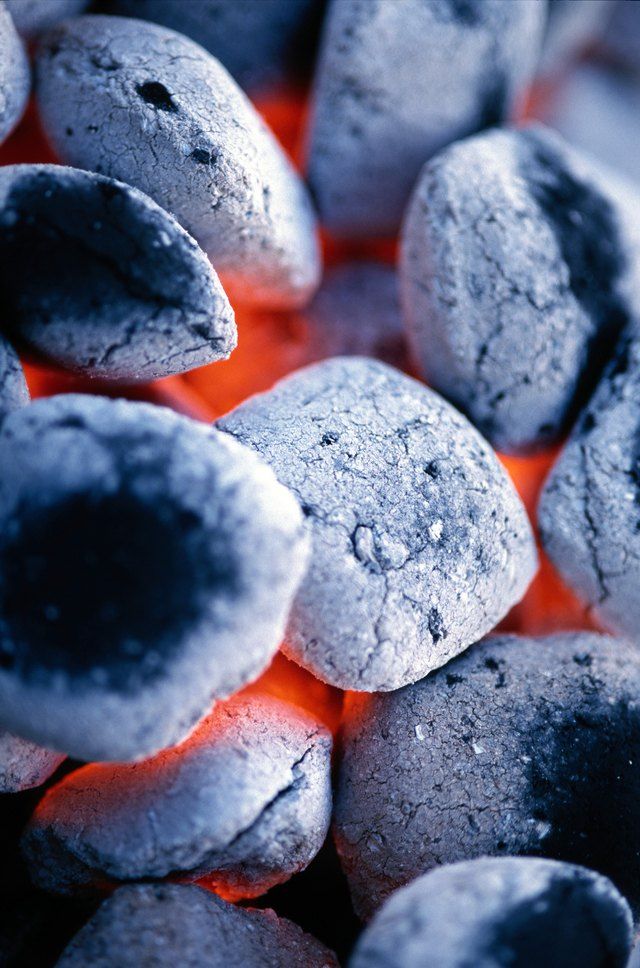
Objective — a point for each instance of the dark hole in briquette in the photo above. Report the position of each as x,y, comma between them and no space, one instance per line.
156,94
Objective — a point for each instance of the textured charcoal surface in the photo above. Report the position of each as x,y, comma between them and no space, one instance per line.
13,386
24,765
147,565
419,541
141,103
260,43
31,17
589,512
521,746
244,802
173,924
572,26
15,77
519,267
398,81
97,278
497,913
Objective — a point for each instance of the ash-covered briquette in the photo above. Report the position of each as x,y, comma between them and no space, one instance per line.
14,392
15,76
23,764
166,925
95,277
520,264
589,513
398,81
245,802
31,17
521,746
621,43
498,913
260,42
572,26
144,104
420,543
147,565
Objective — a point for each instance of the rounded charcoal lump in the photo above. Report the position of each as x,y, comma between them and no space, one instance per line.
165,925
23,764
13,386
15,77
162,559
98,279
144,104
518,272
398,81
260,42
498,913
419,541
244,802
589,513
31,17
520,746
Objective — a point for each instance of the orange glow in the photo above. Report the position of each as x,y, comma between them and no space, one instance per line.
286,680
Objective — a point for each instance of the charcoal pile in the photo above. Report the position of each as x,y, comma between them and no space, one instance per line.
319,400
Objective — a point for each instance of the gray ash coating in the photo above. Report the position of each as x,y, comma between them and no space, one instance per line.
147,564
519,747
24,765
14,392
589,512
165,925
260,43
98,279
396,82
15,75
497,913
31,17
519,268
419,541
244,802
141,103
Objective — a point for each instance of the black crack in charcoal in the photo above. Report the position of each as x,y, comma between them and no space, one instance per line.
521,746
497,913
23,764
31,17
260,43
589,512
396,82
152,108
245,803
147,565
95,277
13,386
520,265
420,543
165,925
15,78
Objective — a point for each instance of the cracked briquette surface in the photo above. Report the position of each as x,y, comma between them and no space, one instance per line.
497,913
589,512
165,545
395,83
31,17
23,764
165,925
521,746
98,279
143,104
15,75
245,801
14,392
519,267
420,543
259,43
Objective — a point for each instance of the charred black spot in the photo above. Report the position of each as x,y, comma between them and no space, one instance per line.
69,132
588,423
583,659
465,12
204,156
436,626
329,438
432,469
452,679
156,94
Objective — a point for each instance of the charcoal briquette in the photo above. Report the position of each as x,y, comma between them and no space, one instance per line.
31,17
14,392
165,925
141,103
15,76
420,543
520,265
147,565
521,746
497,913
398,81
245,802
572,26
24,765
